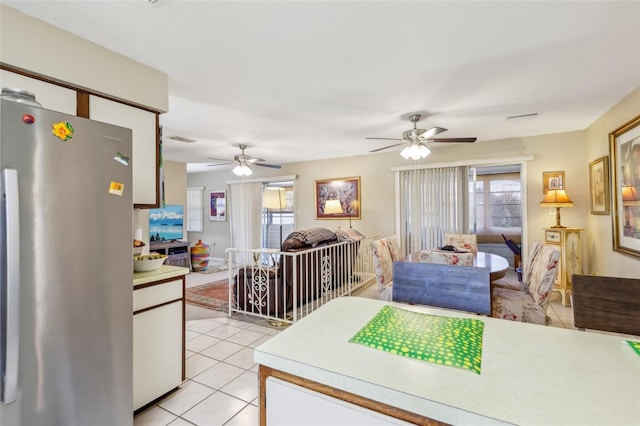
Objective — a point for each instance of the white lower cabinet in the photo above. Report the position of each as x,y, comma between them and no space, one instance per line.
157,342
289,404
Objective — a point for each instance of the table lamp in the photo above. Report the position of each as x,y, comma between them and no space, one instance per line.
332,207
556,198
629,198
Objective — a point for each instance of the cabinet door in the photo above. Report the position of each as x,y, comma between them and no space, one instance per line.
573,255
157,352
50,96
145,142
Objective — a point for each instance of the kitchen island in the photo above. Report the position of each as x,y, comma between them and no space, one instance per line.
158,333
530,374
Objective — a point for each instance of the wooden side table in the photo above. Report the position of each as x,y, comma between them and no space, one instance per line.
568,241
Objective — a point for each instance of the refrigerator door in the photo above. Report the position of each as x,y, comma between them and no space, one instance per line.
75,267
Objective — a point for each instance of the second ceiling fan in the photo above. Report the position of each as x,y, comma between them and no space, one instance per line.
243,161
415,139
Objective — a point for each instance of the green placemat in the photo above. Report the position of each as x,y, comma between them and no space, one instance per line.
455,342
635,346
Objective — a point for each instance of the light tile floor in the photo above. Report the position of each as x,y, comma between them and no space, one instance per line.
222,380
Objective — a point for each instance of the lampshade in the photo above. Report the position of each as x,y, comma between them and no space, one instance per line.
273,198
415,151
556,198
332,207
629,195
242,169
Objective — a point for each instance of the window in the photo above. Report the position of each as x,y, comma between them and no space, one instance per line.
195,209
496,203
278,224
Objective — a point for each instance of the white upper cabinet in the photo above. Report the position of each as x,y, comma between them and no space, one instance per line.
144,127
50,96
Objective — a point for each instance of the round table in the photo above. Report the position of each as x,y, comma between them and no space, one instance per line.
497,265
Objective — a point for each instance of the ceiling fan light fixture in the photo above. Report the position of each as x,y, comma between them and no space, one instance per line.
415,151
242,170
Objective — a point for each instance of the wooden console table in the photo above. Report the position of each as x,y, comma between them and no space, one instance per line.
177,252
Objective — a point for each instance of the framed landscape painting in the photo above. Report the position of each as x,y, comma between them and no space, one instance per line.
552,180
624,149
217,206
599,185
345,190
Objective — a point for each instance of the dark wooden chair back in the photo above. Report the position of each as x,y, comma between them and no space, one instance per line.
464,288
606,303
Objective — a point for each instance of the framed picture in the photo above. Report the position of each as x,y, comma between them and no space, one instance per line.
217,206
624,149
552,180
599,185
344,197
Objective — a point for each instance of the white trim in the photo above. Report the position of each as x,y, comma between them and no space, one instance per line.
263,179
201,188
506,160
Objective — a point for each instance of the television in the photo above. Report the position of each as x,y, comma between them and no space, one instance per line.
166,223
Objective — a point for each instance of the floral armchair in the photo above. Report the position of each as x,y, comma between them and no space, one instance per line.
446,258
529,304
394,248
383,266
461,241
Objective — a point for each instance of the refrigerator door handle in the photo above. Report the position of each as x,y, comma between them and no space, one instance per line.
12,215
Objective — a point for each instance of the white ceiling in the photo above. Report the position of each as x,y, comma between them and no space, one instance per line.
306,80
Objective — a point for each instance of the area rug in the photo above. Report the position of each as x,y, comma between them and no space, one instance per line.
213,295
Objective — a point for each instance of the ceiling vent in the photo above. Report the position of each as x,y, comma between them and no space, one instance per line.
181,139
516,117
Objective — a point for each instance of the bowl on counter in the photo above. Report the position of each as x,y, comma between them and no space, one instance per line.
148,262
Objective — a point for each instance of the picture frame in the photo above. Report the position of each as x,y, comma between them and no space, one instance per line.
346,190
552,180
624,149
217,206
599,200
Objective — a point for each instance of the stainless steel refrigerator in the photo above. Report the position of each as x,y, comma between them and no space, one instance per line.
66,270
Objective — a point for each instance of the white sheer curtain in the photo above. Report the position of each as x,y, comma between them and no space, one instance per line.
245,206
433,202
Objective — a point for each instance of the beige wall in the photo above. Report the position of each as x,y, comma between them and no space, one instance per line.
570,152
599,238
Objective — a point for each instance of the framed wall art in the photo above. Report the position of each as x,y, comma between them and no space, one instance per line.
217,206
342,192
599,185
624,149
552,180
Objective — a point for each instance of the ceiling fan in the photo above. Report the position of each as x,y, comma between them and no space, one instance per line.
243,161
416,138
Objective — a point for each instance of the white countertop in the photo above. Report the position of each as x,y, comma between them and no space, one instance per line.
531,374
165,271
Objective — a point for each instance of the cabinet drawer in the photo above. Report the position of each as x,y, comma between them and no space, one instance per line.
157,294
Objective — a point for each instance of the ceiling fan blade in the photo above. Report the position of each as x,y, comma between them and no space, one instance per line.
453,140
433,131
220,164
386,147
387,139
273,166
219,159
254,160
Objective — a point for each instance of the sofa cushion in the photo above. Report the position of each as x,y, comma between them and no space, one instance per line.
312,236
349,234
